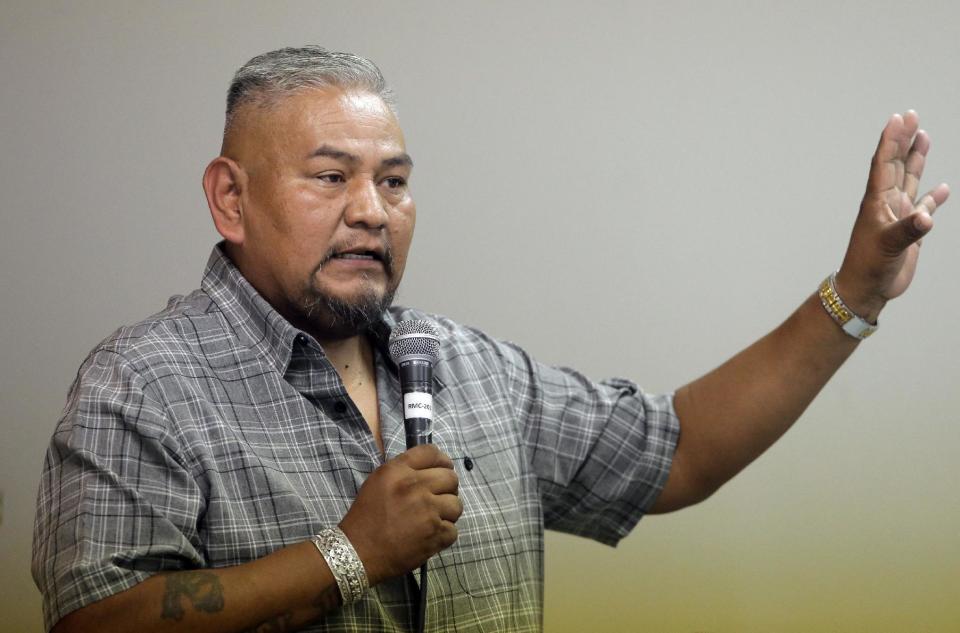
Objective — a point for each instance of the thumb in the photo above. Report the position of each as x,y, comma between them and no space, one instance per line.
425,456
898,236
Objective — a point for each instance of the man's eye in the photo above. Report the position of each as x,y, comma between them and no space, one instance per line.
331,178
395,182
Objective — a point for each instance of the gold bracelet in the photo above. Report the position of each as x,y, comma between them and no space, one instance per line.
848,320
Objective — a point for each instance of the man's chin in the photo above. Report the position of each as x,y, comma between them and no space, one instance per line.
336,316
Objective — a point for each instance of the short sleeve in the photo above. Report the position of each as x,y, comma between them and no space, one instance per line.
116,504
601,451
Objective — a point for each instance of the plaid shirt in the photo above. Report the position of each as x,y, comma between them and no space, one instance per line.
214,433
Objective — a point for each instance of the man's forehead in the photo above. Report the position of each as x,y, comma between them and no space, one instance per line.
332,106
311,117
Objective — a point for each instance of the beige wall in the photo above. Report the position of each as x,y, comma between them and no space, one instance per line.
627,188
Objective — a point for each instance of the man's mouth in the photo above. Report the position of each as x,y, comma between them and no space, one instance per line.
369,255
364,255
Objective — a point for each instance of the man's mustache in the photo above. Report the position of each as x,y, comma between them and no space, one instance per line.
381,251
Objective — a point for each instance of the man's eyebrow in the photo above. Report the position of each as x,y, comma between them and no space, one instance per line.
336,154
400,160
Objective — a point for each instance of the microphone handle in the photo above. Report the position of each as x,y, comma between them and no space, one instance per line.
417,388
416,383
418,431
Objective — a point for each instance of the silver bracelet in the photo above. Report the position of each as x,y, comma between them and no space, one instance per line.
342,559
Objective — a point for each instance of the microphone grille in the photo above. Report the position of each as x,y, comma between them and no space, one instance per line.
417,337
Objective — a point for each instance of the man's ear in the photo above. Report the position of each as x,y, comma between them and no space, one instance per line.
223,183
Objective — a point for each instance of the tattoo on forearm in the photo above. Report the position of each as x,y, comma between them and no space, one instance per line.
201,588
280,624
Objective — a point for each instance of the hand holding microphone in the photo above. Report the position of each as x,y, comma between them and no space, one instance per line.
405,511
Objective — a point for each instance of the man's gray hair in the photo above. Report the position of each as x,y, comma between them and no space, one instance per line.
287,70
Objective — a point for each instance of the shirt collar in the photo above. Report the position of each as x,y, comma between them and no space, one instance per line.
253,320
256,323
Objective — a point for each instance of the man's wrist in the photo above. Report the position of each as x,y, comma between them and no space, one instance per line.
344,564
864,304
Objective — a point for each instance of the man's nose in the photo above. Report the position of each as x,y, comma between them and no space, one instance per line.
365,206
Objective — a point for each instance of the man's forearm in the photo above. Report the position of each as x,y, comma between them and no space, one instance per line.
280,592
732,414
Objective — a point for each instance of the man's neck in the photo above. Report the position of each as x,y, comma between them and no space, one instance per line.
351,357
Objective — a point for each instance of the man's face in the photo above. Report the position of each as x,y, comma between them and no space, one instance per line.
327,214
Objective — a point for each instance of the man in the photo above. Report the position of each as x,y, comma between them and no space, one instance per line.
202,449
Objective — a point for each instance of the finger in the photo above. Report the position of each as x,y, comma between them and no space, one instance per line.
886,169
449,535
882,168
439,480
915,162
449,507
889,146
933,199
904,205
425,456
911,124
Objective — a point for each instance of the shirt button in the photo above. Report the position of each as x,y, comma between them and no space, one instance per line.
468,463
340,407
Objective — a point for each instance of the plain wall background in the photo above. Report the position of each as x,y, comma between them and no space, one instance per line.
635,189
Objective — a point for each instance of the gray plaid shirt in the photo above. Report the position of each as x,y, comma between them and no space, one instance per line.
214,433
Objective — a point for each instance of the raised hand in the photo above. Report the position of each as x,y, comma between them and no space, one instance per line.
882,256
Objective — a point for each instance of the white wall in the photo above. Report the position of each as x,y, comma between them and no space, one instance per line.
628,188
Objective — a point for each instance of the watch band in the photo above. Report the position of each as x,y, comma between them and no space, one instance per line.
848,320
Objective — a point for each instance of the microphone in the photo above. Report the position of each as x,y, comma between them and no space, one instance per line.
415,348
